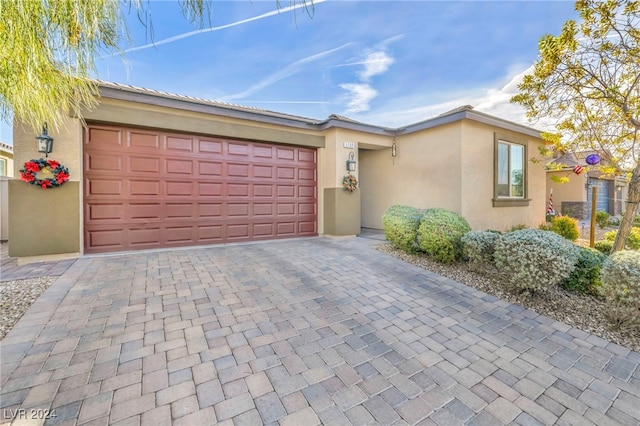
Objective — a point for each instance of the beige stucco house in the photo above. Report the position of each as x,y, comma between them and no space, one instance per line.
573,197
153,170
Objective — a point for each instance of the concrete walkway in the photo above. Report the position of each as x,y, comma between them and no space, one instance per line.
299,332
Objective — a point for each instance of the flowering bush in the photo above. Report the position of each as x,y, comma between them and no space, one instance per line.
566,227
633,240
535,260
440,233
400,225
29,173
478,247
350,183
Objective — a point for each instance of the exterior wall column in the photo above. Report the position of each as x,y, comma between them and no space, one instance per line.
46,221
341,208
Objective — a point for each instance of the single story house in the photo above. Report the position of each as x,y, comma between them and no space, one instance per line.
573,198
152,170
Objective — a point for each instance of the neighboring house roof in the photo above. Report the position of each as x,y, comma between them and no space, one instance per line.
6,148
159,98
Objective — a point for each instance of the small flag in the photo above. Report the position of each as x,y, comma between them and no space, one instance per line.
577,169
550,210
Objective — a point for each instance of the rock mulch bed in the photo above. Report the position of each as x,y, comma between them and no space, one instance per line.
16,297
585,312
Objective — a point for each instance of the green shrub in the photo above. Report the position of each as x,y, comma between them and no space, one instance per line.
400,225
602,219
613,221
478,247
535,260
633,240
566,227
518,227
440,233
604,246
545,226
620,276
585,277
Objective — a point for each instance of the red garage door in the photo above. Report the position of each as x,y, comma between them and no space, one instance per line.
147,189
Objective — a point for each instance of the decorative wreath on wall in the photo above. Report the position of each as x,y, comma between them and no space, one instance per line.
350,183
44,173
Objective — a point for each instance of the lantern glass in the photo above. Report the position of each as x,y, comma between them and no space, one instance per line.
45,142
351,163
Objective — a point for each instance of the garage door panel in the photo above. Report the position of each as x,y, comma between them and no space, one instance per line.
180,167
238,231
263,151
179,143
144,187
238,170
283,153
263,190
260,209
149,189
144,237
207,168
180,211
101,161
144,211
306,191
139,164
238,190
307,156
99,187
105,212
262,172
238,148
148,142
103,138
286,191
179,234
110,239
209,146
180,189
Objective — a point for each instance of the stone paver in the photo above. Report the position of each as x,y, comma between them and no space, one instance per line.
294,332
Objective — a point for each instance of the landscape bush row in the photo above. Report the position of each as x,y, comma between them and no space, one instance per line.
526,260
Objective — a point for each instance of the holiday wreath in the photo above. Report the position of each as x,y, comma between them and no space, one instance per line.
350,183
59,173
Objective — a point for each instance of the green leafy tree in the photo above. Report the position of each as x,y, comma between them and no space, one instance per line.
48,47
587,80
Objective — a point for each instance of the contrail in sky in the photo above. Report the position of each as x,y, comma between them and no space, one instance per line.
211,29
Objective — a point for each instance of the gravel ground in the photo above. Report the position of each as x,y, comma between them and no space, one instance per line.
16,297
585,312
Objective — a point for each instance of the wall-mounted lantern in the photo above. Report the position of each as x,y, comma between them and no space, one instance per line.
45,142
351,162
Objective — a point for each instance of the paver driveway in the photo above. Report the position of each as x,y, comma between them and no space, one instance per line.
300,332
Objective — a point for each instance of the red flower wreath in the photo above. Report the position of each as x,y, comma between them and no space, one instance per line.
60,173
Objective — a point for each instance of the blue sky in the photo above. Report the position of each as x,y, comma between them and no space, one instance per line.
388,63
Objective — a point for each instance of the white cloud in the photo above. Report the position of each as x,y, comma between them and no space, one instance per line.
375,63
360,96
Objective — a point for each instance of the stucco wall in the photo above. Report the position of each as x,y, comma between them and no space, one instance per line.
426,172
478,180
43,222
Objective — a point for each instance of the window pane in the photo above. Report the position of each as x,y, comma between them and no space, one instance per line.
503,170
517,171
3,167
